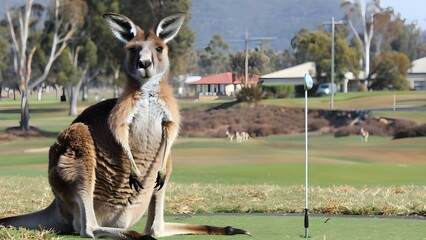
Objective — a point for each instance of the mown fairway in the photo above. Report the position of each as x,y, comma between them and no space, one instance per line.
383,176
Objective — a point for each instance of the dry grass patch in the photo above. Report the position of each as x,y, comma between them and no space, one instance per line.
28,194
13,233
211,198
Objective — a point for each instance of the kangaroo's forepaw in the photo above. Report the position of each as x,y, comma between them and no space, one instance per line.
161,179
134,182
232,231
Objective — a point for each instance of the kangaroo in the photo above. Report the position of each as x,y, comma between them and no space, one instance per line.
230,135
364,135
113,163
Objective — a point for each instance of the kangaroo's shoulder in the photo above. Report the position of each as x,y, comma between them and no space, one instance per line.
97,113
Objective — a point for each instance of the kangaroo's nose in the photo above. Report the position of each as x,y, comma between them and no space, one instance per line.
144,64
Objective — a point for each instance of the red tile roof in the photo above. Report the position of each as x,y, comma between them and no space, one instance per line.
227,78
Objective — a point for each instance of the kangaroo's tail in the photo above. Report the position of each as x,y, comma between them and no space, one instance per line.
48,218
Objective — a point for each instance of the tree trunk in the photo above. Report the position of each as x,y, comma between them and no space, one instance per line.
24,124
73,93
115,87
39,93
85,96
367,65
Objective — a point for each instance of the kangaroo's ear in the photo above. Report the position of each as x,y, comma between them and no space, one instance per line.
169,26
122,27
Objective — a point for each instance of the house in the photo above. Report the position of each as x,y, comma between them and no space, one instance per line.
291,75
223,84
417,74
295,76
185,89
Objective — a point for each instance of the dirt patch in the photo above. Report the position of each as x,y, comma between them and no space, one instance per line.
14,133
265,120
37,150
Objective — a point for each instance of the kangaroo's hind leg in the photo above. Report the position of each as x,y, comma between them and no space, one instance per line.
72,176
72,163
156,226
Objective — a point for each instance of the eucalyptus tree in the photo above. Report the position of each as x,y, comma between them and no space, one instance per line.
4,56
316,46
109,52
213,59
21,20
390,69
258,62
76,64
361,18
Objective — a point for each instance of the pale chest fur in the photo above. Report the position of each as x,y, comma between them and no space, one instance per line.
146,125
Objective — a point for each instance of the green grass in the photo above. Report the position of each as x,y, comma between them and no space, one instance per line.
364,100
284,227
382,176
277,160
289,227
374,174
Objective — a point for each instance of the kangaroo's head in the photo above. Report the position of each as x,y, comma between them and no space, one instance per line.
146,53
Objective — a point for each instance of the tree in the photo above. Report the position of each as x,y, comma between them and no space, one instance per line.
75,65
214,58
64,26
407,38
258,62
4,55
316,47
281,60
390,70
359,16
109,51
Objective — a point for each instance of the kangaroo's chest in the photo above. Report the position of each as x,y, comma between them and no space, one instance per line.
146,128
145,139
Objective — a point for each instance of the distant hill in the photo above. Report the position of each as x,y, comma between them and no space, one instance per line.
281,19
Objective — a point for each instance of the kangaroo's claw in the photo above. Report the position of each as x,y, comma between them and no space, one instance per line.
161,179
134,182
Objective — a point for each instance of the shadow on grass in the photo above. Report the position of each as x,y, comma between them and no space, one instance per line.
32,132
223,106
32,110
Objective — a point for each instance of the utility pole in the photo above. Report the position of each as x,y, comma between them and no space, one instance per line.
332,64
246,40
333,26
246,61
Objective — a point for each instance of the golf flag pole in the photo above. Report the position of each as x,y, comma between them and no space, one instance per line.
308,85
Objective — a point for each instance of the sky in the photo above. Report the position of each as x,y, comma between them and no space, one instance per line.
412,10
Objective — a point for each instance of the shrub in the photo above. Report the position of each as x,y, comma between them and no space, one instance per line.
418,131
317,123
346,131
400,125
252,94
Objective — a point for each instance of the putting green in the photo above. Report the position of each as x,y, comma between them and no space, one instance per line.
291,227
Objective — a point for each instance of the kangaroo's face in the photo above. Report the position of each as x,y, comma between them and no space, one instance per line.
147,54
147,57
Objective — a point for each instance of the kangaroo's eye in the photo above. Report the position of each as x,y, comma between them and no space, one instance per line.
133,49
159,49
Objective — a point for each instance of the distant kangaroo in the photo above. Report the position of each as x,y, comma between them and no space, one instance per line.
364,135
117,145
